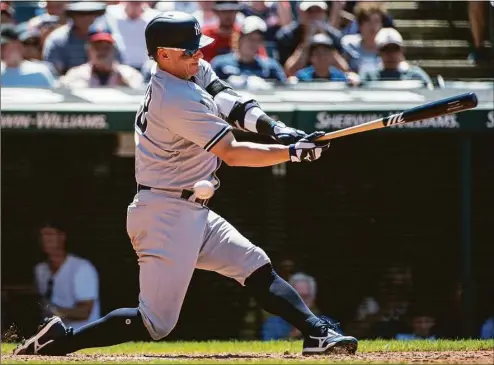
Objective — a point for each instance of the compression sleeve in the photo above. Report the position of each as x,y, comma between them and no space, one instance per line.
243,113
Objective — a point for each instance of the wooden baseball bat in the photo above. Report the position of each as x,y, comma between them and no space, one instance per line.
454,104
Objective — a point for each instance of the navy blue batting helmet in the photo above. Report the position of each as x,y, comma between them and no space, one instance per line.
175,29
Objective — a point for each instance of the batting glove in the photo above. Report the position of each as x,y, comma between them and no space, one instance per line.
287,135
307,149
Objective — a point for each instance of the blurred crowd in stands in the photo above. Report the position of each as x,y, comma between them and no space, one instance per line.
395,308
91,44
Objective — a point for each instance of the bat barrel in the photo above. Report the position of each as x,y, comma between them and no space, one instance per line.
453,104
444,106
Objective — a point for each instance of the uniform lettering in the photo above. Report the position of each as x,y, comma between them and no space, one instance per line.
141,116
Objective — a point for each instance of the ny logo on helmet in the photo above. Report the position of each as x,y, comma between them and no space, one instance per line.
197,27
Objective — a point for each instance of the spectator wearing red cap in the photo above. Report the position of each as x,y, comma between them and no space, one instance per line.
226,33
65,46
102,69
245,61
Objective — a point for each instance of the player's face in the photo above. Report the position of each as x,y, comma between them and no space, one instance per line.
179,63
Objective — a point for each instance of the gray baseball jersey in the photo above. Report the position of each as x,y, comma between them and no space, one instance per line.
176,127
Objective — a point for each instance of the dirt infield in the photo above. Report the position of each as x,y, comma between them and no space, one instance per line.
429,357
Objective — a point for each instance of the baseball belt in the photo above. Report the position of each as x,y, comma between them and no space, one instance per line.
186,194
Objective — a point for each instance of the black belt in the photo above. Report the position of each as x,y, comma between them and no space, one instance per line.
186,194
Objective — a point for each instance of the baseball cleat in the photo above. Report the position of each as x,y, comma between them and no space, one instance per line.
331,342
51,329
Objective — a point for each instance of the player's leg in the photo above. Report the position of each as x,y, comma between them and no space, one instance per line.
167,235
229,253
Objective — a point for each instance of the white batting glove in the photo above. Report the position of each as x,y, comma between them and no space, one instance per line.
307,150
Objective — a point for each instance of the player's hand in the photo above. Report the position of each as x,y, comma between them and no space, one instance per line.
287,135
307,149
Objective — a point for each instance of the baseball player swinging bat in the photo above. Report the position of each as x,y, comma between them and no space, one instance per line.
182,136
454,104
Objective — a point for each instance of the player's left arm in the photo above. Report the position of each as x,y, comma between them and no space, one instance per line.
245,113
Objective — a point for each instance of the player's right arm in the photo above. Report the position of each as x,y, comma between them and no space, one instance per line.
193,121
249,154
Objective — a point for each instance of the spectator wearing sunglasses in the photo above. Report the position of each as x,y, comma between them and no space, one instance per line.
15,70
68,285
394,66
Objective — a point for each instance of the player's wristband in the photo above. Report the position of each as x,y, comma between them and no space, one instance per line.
265,125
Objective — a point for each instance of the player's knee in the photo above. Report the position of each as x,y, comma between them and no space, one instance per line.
164,328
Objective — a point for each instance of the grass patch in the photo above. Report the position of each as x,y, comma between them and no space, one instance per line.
236,352
277,347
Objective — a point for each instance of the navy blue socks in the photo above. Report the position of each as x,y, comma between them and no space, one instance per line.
121,325
278,297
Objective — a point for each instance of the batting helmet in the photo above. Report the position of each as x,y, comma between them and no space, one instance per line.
175,29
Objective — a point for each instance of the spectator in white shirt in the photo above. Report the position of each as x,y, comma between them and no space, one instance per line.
127,22
69,285
17,72
102,69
